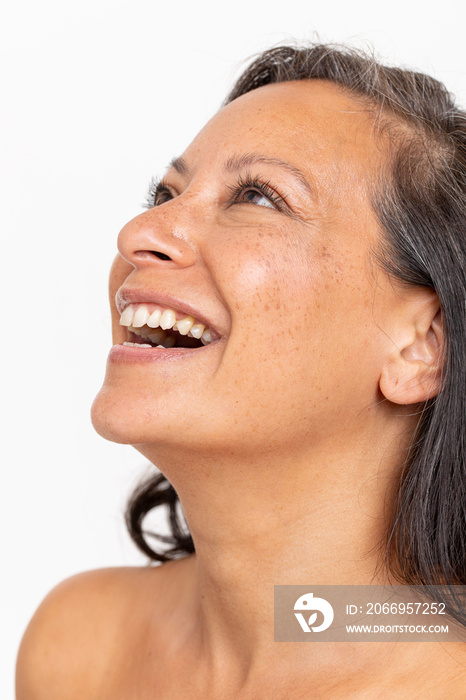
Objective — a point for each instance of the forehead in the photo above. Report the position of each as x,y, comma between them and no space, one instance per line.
313,124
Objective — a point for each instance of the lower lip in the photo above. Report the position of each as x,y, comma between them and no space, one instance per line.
129,354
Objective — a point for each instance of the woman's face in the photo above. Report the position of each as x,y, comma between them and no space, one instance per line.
263,232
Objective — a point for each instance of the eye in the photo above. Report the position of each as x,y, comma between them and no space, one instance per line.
245,191
251,190
254,197
160,197
157,194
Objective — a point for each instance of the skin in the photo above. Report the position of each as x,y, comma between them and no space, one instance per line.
284,438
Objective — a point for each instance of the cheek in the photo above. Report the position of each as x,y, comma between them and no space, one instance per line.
274,301
301,323
119,272
278,285
263,269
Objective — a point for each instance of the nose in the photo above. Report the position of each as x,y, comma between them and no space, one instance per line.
157,238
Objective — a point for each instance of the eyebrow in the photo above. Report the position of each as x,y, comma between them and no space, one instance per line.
180,165
239,162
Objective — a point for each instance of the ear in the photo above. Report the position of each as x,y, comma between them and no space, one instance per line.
413,367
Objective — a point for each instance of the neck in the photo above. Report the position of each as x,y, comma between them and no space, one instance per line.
317,518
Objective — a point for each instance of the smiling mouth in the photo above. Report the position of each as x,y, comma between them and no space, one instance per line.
155,326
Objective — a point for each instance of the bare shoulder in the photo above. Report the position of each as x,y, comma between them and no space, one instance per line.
81,627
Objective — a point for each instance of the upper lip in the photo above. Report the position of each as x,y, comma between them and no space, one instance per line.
126,295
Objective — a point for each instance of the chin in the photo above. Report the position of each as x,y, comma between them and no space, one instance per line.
110,419
128,418
119,417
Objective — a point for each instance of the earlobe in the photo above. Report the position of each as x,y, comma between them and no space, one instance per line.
413,369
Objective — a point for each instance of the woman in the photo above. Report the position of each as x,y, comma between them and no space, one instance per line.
307,408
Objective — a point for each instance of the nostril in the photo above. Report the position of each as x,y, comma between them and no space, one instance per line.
161,256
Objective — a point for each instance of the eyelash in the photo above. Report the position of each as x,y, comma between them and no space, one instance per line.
260,186
156,189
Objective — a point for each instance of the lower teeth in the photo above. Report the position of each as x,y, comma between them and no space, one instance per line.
143,345
138,345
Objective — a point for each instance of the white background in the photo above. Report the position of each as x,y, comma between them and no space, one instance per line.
97,97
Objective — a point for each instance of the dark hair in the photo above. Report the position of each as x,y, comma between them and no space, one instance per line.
420,201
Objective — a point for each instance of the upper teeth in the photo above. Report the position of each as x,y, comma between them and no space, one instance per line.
139,315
